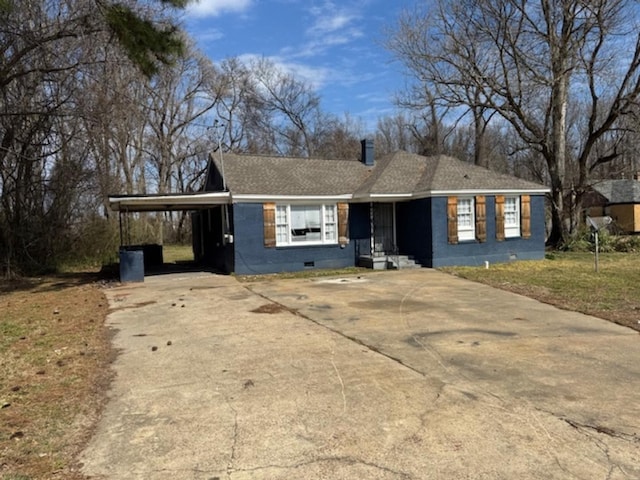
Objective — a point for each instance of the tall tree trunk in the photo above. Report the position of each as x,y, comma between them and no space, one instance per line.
557,163
479,147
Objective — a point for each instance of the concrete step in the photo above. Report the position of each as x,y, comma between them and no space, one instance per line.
401,262
388,262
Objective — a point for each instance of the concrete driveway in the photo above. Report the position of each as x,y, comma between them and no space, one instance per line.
389,375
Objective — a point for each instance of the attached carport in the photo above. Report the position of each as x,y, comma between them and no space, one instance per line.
210,223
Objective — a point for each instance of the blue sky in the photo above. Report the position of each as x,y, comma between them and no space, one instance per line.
335,45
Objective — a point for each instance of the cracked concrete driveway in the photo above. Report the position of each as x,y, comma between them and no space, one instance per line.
389,375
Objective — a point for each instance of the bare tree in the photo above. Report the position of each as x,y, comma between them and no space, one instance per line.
293,105
392,134
528,62
339,137
430,99
179,96
240,109
47,48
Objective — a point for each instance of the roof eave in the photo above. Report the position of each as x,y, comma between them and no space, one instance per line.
257,198
445,193
159,203
488,191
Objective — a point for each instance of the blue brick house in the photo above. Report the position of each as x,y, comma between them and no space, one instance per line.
289,214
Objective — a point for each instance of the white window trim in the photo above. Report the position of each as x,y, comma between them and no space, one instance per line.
323,228
512,230
466,233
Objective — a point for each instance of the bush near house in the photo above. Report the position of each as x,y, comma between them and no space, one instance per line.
607,242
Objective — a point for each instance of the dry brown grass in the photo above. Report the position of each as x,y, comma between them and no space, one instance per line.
55,352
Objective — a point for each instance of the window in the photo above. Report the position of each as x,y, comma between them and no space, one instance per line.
306,224
511,217
466,219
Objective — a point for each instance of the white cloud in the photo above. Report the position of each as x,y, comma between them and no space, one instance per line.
332,26
327,22
330,18
213,8
208,35
314,75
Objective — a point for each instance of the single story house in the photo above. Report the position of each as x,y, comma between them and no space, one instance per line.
266,214
618,199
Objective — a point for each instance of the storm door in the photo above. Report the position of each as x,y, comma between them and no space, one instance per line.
383,228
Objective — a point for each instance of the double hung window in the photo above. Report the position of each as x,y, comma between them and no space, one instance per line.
511,217
306,224
466,219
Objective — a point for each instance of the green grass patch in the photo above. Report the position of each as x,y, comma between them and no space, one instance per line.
10,331
177,253
569,280
312,273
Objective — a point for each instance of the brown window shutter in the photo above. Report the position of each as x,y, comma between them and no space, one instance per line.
500,217
481,219
269,212
525,216
343,223
452,219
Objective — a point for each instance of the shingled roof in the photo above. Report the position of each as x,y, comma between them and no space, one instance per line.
265,175
399,173
408,173
619,191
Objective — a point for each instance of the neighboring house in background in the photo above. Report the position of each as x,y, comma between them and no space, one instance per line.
618,199
288,214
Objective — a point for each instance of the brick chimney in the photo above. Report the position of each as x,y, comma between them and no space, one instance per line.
367,156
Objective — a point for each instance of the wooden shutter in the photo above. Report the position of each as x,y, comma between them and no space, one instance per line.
343,223
500,217
481,219
269,212
525,216
452,219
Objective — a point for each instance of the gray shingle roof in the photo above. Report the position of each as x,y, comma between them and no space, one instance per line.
263,175
619,191
399,173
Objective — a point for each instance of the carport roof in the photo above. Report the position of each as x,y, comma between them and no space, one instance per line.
166,202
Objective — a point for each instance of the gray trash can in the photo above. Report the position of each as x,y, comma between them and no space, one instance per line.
131,265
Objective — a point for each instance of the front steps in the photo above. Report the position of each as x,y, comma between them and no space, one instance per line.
388,262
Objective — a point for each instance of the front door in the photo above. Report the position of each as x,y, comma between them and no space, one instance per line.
383,228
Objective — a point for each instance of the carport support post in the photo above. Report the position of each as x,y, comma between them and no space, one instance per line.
120,222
